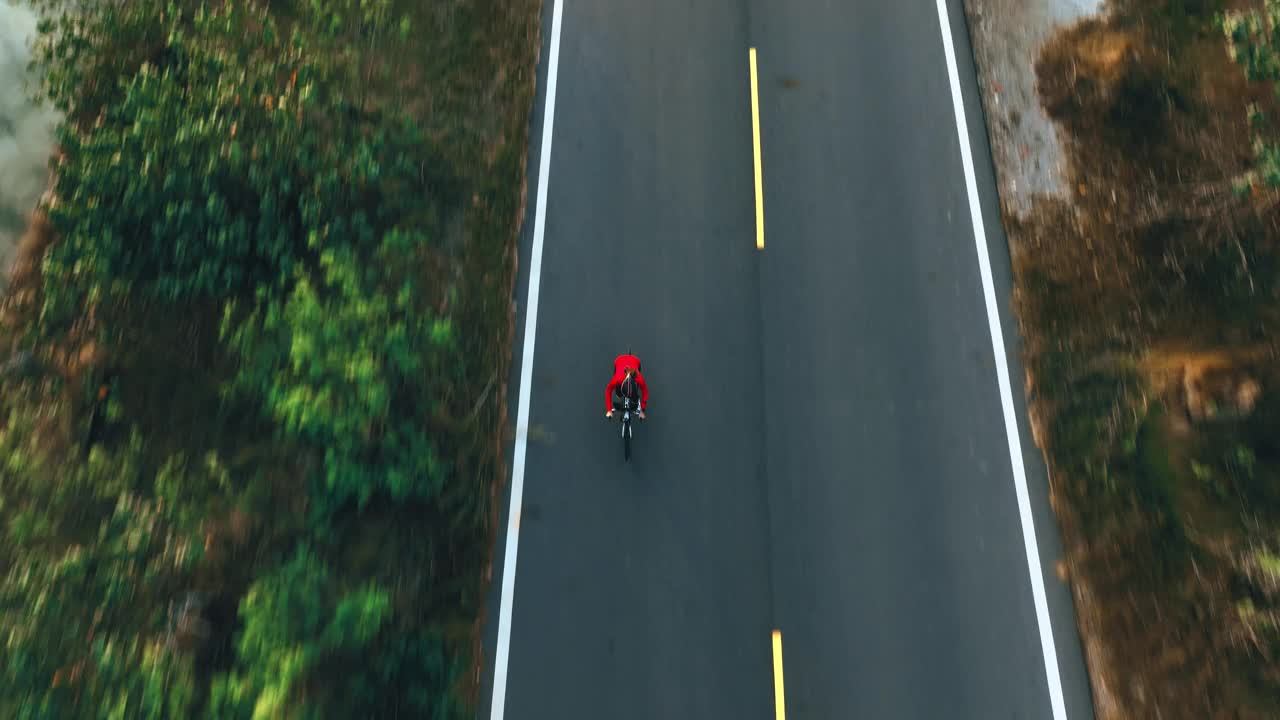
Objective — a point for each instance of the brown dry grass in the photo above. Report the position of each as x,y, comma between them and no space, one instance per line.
1144,298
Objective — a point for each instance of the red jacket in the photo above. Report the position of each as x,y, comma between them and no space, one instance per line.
620,366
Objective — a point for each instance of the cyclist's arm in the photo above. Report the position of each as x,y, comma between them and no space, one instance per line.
644,392
608,394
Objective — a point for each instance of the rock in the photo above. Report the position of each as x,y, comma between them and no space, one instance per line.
1219,393
1247,394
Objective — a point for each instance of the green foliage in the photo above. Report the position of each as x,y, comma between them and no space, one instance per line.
95,556
350,368
284,616
227,159
247,156
1253,39
196,180
309,649
1210,479
232,164
412,675
153,198
88,55
193,490
1270,563
46,498
1242,461
81,636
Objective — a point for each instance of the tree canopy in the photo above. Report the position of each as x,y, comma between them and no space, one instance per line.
240,171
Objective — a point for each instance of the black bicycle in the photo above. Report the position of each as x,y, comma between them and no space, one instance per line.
630,407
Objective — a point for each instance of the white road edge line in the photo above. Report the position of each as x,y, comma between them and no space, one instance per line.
1002,376
502,654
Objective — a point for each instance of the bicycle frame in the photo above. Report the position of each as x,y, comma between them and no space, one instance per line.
626,415
629,407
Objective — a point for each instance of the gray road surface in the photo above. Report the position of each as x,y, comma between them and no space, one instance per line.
826,453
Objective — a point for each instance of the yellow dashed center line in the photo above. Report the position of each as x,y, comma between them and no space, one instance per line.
755,142
779,694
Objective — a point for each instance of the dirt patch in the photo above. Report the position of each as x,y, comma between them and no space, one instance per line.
1148,298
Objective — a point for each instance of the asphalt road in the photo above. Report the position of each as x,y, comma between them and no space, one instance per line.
826,453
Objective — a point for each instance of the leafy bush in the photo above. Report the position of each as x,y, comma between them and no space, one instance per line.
350,368
83,636
1253,38
232,166
227,160
311,650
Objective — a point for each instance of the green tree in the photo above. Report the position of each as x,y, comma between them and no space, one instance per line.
196,180
83,637
350,368
215,157
309,649
234,164
95,562
226,155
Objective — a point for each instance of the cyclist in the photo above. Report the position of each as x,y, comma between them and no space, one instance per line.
626,379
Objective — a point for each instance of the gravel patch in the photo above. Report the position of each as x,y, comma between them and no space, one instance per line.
1027,149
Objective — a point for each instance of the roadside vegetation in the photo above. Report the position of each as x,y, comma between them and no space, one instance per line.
1150,304
251,407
